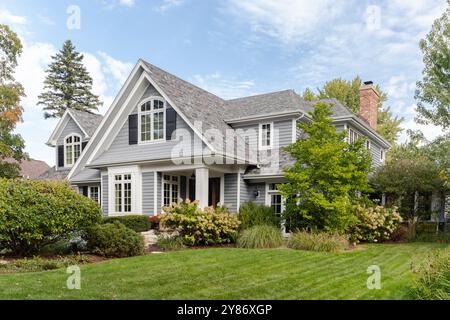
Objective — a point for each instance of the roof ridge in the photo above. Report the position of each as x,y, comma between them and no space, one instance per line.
181,79
261,94
85,112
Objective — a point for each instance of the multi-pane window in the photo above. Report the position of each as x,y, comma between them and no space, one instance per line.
353,136
265,131
368,144
94,193
276,200
382,155
151,115
170,189
72,150
122,193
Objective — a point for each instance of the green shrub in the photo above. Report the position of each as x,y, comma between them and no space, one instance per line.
200,227
37,213
317,241
170,243
401,234
263,236
374,223
114,240
36,264
252,214
426,227
137,223
433,281
431,237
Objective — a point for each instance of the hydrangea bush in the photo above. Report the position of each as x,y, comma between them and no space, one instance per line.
201,227
374,224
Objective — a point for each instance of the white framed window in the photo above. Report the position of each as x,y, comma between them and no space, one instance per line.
151,120
72,149
94,193
368,146
265,136
122,193
382,155
353,136
171,189
275,199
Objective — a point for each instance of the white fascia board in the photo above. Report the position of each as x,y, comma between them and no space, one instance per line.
86,135
138,65
57,131
268,116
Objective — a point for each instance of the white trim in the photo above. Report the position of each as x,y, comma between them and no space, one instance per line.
267,116
53,140
222,189
151,112
136,190
260,137
106,118
155,193
238,202
294,130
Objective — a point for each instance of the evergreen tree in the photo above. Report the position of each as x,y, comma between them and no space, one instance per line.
433,92
347,93
327,176
11,92
68,84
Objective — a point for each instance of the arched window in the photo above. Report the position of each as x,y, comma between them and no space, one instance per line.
72,149
151,120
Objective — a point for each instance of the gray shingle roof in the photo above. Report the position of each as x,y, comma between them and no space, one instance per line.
89,121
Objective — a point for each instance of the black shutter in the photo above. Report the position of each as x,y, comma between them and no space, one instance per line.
183,188
83,145
85,191
133,129
61,156
171,122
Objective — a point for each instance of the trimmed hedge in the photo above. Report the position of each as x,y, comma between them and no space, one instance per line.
34,214
114,240
137,223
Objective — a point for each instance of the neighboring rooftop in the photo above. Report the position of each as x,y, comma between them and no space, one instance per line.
53,174
30,169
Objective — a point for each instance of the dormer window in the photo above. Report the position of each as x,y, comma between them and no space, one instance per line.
72,149
151,120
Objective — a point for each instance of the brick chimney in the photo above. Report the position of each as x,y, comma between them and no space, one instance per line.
368,99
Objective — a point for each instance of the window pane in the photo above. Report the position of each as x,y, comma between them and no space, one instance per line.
69,155
145,127
174,193
157,104
94,193
76,152
118,177
166,194
127,197
118,197
76,139
158,125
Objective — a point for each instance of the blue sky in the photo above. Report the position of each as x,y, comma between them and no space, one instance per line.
230,47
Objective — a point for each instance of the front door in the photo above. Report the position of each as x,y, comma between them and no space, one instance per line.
214,192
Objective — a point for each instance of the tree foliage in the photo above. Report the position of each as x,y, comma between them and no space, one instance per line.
327,176
433,92
68,84
11,93
347,93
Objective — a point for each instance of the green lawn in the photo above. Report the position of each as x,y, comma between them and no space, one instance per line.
229,273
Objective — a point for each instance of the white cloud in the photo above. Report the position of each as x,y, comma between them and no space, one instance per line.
224,87
128,3
287,20
118,69
168,4
7,17
430,131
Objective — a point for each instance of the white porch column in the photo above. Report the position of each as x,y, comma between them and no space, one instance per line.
202,186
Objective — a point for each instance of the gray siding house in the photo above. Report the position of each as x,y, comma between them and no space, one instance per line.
163,139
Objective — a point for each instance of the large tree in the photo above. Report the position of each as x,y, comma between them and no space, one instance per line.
68,84
327,176
433,92
11,92
347,93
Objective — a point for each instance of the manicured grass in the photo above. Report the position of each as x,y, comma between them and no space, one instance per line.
229,273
